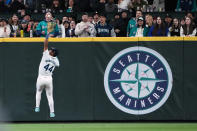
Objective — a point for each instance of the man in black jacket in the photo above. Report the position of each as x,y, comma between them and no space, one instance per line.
121,26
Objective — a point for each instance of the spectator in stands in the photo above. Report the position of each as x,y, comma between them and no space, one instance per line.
100,6
154,20
174,30
130,7
24,15
14,26
65,28
34,26
71,18
30,24
93,5
120,26
24,32
27,17
71,31
115,20
31,5
111,7
186,5
4,28
90,19
191,15
30,28
65,18
71,6
45,4
21,14
56,7
138,4
168,20
140,30
96,19
149,21
182,21
104,29
158,6
47,26
188,29
85,28
132,22
3,6
58,21
17,6
159,29
123,5
65,4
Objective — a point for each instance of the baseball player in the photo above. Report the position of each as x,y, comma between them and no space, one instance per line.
44,81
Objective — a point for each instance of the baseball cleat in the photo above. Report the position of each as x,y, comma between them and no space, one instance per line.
52,114
37,109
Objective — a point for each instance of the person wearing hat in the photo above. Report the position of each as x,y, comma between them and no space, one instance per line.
132,22
140,30
4,28
24,29
27,17
85,28
103,29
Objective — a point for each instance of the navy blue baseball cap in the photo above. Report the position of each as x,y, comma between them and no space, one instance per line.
55,51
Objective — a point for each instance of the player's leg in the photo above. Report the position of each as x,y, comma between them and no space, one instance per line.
39,89
49,94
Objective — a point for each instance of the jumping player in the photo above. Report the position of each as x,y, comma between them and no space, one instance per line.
44,81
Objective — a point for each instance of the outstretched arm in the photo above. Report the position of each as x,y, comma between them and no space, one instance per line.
46,42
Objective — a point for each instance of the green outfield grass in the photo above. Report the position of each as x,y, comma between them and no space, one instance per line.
101,127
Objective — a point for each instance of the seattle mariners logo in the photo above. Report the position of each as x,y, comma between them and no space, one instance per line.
138,80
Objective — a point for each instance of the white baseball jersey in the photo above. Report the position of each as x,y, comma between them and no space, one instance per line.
48,64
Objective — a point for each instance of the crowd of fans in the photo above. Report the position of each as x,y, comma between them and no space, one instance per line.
128,21
81,6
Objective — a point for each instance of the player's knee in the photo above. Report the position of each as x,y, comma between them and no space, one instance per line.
39,90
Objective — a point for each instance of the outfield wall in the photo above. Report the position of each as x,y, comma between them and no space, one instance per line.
79,92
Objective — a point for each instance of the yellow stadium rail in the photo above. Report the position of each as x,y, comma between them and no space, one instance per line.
100,39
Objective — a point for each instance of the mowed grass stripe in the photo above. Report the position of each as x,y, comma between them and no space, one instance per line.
101,127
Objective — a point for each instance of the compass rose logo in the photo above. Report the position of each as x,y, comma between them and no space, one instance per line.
138,80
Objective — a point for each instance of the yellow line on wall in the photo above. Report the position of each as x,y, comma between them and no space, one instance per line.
160,38
190,38
21,39
99,39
